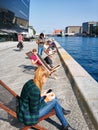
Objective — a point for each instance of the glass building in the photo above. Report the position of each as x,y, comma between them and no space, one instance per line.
14,15
89,28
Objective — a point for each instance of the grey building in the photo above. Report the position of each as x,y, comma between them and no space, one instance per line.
72,30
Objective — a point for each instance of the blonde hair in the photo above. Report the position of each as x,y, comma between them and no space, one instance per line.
38,77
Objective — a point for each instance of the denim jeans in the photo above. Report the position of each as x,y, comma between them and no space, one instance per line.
54,104
40,49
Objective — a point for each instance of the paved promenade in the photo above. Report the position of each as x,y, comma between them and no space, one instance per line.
16,69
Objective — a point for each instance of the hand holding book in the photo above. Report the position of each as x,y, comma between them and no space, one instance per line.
49,97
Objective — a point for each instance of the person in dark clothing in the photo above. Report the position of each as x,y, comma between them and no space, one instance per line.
48,60
33,105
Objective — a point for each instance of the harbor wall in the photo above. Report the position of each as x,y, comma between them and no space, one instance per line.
83,84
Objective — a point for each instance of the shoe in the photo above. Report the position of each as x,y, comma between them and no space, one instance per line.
66,112
67,128
63,128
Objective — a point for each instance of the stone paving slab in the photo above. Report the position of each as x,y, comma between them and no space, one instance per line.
16,69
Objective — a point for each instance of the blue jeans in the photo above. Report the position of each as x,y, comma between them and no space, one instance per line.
54,104
40,49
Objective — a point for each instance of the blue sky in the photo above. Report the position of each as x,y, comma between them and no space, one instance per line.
48,15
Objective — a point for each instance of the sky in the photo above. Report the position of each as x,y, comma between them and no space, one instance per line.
48,15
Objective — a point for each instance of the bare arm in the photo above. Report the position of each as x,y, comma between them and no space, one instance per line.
34,62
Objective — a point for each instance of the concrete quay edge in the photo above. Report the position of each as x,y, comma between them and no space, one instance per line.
83,83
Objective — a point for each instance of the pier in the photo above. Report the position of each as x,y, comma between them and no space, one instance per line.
74,87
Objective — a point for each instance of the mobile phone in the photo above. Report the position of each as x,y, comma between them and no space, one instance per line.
50,90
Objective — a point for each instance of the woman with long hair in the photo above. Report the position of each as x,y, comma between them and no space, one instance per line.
33,105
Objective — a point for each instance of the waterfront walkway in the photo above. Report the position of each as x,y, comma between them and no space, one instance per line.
16,69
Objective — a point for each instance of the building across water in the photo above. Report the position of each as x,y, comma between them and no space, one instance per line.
90,28
72,30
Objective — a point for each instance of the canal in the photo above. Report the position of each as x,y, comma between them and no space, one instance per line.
84,50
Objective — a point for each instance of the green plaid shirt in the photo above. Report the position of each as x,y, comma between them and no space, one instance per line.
29,104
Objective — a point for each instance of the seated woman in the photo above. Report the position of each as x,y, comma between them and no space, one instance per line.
36,61
34,58
33,105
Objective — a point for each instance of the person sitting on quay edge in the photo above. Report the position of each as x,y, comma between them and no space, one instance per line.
49,47
33,105
53,45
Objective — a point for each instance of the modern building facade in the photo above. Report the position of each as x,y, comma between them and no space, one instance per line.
88,27
14,15
72,30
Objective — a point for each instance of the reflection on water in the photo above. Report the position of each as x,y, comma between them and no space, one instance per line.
84,50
